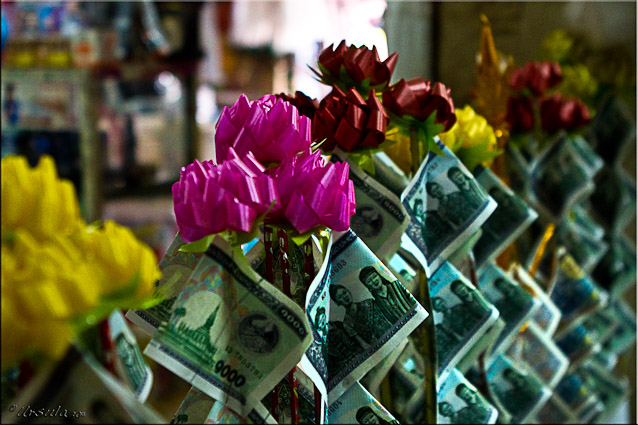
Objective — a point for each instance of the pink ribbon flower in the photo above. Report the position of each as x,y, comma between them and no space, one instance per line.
210,198
313,193
269,127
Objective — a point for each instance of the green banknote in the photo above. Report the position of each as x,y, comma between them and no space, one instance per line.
613,129
510,218
616,271
459,402
555,411
547,316
372,380
357,406
380,219
516,389
613,202
541,355
409,370
587,250
176,267
389,174
461,315
446,206
231,333
581,219
624,335
578,343
78,389
610,389
560,178
581,400
130,365
515,305
359,312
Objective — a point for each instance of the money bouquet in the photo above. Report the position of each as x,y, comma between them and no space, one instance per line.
63,282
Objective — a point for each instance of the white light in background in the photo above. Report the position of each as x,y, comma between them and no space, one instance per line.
206,105
170,86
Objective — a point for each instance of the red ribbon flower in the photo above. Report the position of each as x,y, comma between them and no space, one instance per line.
355,66
313,193
269,127
210,198
304,104
348,121
558,113
418,99
537,77
520,114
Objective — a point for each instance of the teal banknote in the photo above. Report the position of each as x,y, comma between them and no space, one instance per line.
461,315
624,335
587,154
560,179
578,343
575,393
539,353
129,363
516,389
231,333
389,174
602,324
613,202
547,316
582,220
404,271
409,370
78,389
514,304
176,267
510,218
358,314
555,411
357,406
574,292
610,389
372,379
446,207
616,271
459,402
380,219
222,414
586,249
613,129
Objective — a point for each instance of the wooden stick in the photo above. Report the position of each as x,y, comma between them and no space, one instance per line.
270,274
284,255
309,270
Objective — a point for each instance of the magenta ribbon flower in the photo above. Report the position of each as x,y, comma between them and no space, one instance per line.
210,198
313,193
269,127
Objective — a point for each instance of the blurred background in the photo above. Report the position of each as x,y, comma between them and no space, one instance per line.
123,94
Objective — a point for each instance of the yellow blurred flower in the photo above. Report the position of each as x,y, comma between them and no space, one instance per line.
578,82
37,200
471,138
557,46
58,274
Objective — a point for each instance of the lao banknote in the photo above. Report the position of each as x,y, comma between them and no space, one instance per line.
358,315
389,174
583,148
231,334
484,345
547,316
380,219
357,406
198,408
573,292
176,267
613,129
582,220
560,178
602,324
578,344
446,206
623,335
410,370
77,389
404,271
461,315
610,389
541,355
613,202
459,402
555,411
372,380
516,389
580,399
510,218
129,363
586,250
518,171
616,271
514,304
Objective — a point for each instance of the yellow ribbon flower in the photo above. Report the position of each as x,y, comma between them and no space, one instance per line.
58,274
472,139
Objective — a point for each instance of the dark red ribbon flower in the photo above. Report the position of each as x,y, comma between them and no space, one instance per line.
558,113
348,121
359,63
537,77
418,98
520,114
305,104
